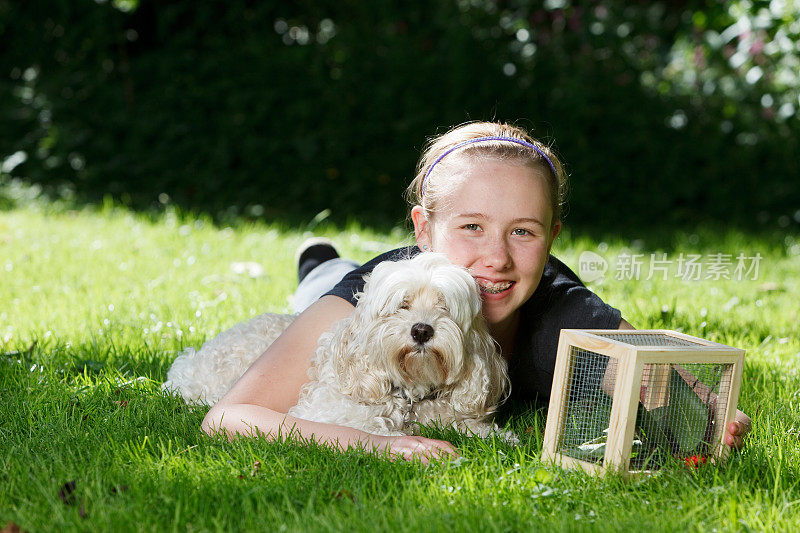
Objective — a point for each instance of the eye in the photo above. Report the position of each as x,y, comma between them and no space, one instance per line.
521,231
405,304
471,227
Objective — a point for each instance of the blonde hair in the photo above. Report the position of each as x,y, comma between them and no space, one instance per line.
429,192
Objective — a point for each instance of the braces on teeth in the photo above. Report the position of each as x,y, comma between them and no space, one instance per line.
494,288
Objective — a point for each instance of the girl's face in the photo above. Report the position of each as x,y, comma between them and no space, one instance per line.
497,223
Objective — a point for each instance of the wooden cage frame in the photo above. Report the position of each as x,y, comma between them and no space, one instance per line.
631,360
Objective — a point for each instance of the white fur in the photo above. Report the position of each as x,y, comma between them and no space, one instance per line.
368,372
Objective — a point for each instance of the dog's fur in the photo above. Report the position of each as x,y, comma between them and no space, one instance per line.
415,351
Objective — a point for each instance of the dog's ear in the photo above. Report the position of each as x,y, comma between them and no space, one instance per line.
357,372
485,384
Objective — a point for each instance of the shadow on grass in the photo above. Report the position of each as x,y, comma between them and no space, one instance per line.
641,232
91,359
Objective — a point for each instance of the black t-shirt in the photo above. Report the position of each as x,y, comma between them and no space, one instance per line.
561,301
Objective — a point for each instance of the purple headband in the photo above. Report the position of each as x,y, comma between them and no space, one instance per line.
482,139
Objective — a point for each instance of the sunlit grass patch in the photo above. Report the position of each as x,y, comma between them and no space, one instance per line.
96,302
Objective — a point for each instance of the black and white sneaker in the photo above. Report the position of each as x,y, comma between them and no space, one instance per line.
312,253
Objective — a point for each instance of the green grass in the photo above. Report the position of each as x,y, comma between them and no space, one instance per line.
93,298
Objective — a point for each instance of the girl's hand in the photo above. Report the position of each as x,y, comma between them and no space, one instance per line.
737,430
408,447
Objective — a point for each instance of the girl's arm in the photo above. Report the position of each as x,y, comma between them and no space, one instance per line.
258,402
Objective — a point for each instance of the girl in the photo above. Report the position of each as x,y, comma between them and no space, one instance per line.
489,197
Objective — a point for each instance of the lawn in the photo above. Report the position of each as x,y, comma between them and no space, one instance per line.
95,302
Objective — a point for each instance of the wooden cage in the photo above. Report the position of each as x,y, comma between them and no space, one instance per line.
629,400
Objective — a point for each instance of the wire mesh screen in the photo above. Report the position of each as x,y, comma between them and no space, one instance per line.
681,413
649,339
587,409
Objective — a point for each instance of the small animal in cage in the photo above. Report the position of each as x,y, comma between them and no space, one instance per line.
632,400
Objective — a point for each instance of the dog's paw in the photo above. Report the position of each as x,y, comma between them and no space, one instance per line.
508,437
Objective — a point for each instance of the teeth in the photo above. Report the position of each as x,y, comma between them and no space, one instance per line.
494,288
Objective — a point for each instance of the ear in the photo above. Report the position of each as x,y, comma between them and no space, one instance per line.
422,227
486,383
354,368
553,234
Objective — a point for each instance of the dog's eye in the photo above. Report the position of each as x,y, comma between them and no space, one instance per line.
405,305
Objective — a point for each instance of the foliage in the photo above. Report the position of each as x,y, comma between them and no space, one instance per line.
665,112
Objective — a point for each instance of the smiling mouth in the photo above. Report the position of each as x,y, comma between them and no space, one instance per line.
491,287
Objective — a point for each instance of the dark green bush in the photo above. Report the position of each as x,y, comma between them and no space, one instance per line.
302,106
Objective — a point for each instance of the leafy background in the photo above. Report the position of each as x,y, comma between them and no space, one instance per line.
679,112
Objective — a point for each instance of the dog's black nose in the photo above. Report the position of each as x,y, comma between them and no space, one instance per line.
421,332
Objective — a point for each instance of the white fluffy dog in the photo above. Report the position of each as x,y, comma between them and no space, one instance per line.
415,351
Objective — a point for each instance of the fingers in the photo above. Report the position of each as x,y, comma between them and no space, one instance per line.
409,448
736,431
735,428
445,450
734,441
430,450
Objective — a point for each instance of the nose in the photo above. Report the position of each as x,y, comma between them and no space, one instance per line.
421,332
497,254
